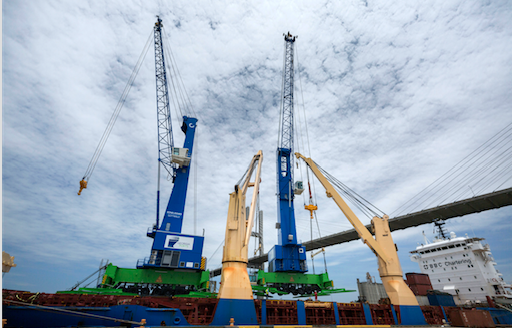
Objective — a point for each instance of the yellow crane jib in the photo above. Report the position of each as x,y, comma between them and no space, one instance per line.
235,283
235,293
83,185
7,262
383,246
319,252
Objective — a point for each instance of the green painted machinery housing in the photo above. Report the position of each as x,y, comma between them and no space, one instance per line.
121,281
296,283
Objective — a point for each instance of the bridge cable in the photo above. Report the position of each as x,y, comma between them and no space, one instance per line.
470,173
467,170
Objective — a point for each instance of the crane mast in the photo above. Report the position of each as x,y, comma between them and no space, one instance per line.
165,136
171,248
288,255
287,265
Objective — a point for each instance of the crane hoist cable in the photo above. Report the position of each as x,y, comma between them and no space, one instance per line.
357,200
178,85
311,206
113,118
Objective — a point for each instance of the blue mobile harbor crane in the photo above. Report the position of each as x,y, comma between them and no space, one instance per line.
171,248
175,265
287,263
288,255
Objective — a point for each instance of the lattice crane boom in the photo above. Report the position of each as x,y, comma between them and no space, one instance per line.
165,137
288,255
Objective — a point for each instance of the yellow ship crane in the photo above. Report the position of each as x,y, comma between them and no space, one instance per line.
383,247
235,293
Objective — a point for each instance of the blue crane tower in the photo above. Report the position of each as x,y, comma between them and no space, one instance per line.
171,248
287,265
288,255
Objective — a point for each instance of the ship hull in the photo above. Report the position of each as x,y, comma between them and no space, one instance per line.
45,310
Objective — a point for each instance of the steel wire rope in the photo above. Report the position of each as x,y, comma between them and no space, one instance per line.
49,309
195,162
450,185
299,136
175,99
305,123
299,163
178,83
493,180
179,100
497,176
323,251
312,194
504,181
184,89
351,195
506,170
482,167
340,187
438,181
504,157
480,175
407,205
173,67
117,110
192,110
310,181
247,171
256,222
364,205
215,252
453,183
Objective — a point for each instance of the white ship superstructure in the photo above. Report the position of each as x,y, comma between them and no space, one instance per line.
461,266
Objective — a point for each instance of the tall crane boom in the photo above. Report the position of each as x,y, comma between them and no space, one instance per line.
235,293
165,137
288,255
286,124
384,248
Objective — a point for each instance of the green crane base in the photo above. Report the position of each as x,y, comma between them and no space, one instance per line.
161,281
299,284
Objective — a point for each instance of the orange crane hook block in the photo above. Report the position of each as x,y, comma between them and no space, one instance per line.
83,185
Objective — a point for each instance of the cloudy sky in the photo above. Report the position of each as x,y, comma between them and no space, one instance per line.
395,95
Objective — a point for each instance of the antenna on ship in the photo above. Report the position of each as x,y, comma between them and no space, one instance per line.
439,223
425,240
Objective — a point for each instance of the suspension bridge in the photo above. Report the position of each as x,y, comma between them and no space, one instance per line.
477,204
475,184
493,200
